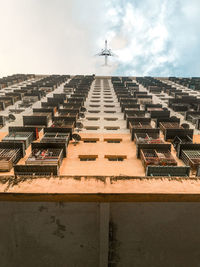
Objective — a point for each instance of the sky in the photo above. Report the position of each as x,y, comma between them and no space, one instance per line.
150,37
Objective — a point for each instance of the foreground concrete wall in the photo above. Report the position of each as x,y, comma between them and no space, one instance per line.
156,234
92,234
49,234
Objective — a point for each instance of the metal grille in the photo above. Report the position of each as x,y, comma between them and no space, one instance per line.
55,138
181,140
144,138
191,158
49,156
138,125
170,125
193,118
63,123
8,157
25,137
157,157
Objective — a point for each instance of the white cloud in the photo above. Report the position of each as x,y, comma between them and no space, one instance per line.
162,37
146,37
151,37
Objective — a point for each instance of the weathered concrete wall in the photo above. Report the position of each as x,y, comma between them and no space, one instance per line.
49,234
74,234
156,234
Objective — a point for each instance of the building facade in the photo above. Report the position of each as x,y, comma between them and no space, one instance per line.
99,171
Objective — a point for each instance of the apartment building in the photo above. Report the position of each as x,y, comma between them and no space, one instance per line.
99,171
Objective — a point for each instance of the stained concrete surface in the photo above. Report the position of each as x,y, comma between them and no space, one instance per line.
68,234
156,234
49,234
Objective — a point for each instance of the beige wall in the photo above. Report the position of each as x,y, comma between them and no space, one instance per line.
130,166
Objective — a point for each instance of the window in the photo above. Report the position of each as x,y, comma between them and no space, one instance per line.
88,157
108,97
111,119
94,106
90,140
112,140
91,127
109,106
93,111
108,101
109,111
111,128
115,157
92,118
95,101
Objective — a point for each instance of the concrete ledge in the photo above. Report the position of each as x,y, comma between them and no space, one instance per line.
100,189
29,197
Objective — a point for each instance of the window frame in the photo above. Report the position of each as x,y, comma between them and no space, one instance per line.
115,157
94,111
87,157
89,140
92,118
92,128
113,140
110,119
112,128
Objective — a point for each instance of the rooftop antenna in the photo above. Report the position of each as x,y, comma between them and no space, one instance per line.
106,53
